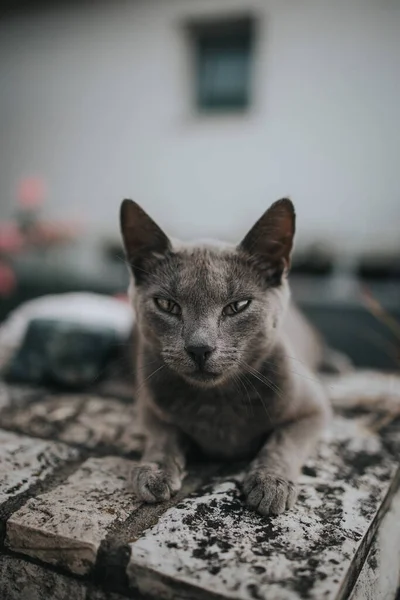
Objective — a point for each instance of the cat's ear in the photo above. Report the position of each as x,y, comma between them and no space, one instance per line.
269,242
143,240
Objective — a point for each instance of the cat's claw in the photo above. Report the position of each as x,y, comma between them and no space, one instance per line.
153,483
268,493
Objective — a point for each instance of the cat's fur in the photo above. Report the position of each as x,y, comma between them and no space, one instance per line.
249,399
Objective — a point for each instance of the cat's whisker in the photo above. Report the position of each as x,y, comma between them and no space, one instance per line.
250,402
305,364
235,381
259,395
270,384
141,368
149,377
295,358
247,393
269,363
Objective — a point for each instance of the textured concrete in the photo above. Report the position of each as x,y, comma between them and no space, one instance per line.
75,516
90,421
380,575
105,423
25,461
214,544
13,396
65,526
47,417
21,580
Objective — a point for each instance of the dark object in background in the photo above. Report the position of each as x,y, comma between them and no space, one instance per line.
341,315
62,353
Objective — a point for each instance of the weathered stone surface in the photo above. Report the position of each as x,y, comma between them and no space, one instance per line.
66,525
213,545
91,421
99,594
380,575
46,418
20,580
105,423
25,461
366,389
17,395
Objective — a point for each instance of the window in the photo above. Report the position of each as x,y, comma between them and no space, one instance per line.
223,53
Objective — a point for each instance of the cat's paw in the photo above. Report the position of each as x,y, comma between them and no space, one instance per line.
268,493
153,483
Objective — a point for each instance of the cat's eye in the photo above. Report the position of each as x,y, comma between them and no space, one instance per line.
235,307
168,306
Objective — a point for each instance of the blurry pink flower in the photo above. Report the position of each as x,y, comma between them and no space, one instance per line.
8,281
11,239
31,192
47,233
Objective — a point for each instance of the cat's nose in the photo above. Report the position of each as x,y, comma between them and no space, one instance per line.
199,354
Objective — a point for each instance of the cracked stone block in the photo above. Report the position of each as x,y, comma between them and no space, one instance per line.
25,461
105,423
46,418
66,525
20,580
91,421
211,545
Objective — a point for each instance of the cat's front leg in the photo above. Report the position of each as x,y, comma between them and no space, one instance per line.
162,468
270,485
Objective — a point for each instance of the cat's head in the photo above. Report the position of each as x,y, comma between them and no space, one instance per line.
209,311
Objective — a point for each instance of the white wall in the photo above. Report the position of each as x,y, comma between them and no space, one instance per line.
98,101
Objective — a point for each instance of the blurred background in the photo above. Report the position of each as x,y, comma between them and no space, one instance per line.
206,111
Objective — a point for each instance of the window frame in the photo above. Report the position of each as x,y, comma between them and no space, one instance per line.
233,32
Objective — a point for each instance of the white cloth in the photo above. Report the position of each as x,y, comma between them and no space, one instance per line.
79,308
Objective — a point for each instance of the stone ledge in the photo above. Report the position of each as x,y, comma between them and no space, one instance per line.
213,545
205,545
66,525
21,580
95,423
380,576
105,423
25,461
12,396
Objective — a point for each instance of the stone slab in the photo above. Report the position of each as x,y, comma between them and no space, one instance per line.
94,422
66,525
105,423
25,461
17,395
211,546
380,576
45,418
21,580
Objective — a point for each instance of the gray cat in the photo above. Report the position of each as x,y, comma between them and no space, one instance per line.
216,343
